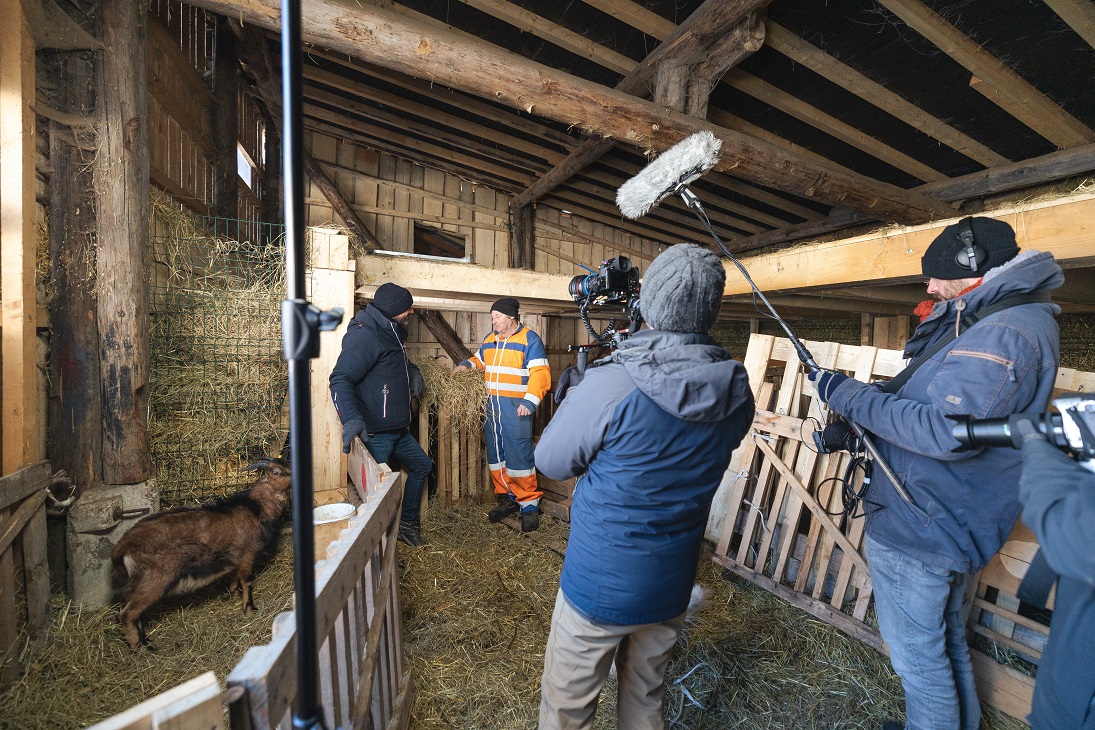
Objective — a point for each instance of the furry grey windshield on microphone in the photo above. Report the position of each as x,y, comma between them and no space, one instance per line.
677,166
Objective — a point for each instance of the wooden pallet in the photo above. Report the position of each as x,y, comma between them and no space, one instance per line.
772,522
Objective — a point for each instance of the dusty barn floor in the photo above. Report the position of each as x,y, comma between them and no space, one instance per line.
478,600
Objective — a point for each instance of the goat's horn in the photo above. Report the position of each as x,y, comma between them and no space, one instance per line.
266,462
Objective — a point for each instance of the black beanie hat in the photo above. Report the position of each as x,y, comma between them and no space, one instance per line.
507,306
682,290
392,300
997,238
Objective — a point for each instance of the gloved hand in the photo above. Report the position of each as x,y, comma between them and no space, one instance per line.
353,427
827,381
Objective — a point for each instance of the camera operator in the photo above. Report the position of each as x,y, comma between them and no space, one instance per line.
923,553
653,430
1058,497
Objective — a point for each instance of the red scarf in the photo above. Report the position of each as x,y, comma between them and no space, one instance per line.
925,307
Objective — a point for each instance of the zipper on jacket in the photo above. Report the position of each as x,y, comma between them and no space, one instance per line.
1009,364
385,392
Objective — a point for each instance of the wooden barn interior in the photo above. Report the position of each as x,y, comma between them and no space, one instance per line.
467,151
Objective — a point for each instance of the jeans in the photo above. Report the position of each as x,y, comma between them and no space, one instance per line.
921,618
577,661
411,457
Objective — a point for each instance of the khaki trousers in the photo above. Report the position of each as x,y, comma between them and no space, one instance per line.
577,662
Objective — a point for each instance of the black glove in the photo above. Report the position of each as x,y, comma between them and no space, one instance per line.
353,427
827,381
567,380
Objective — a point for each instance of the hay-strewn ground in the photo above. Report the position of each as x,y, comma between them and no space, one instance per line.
477,601
87,672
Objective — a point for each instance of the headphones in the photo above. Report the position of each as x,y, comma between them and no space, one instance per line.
970,257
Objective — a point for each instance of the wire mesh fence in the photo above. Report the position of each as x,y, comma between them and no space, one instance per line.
218,379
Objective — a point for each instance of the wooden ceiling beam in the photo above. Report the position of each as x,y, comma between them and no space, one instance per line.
354,109
1063,227
993,78
382,143
799,50
431,114
1013,176
776,98
255,54
692,36
1080,16
461,279
650,228
769,94
389,38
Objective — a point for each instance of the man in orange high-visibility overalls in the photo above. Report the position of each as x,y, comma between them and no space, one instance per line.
514,362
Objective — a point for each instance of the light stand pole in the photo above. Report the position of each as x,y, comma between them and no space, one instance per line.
301,323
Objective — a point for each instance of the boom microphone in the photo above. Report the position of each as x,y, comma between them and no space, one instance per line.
669,173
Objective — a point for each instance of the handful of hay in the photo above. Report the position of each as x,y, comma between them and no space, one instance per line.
462,394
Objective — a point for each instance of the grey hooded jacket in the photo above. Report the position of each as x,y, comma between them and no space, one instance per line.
653,430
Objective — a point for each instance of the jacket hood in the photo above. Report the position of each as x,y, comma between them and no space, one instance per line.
688,375
371,316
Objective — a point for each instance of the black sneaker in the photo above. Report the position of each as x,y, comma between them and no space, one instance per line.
530,521
505,508
409,534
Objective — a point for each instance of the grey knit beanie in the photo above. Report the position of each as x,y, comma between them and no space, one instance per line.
682,290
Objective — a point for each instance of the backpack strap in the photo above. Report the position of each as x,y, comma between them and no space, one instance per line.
1015,300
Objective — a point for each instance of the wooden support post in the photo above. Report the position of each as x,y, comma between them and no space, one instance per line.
271,175
18,344
522,234
225,135
121,183
444,456
446,336
332,285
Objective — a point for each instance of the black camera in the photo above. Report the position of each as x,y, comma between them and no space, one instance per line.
617,282
1071,428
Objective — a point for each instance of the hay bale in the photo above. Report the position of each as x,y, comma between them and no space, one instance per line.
461,393
218,378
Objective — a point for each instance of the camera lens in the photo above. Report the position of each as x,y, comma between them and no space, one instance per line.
582,286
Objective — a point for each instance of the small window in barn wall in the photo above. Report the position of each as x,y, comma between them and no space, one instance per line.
245,166
430,241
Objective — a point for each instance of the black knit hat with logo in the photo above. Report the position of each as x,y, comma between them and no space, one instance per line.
392,300
996,238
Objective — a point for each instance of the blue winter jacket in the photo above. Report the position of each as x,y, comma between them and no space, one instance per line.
653,429
966,501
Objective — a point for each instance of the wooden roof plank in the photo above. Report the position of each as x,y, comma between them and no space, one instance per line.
997,81
1080,16
775,97
390,38
1065,227
801,51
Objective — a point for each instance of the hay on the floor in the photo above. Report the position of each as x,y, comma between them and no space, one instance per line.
86,672
478,599
477,602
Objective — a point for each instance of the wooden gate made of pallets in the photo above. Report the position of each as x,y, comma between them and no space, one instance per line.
24,574
772,519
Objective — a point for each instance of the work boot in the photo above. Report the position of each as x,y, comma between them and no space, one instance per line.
506,507
409,534
530,521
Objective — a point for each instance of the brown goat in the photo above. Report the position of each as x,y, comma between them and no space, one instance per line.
179,550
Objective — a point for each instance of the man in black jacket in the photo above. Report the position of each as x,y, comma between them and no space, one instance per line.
372,385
